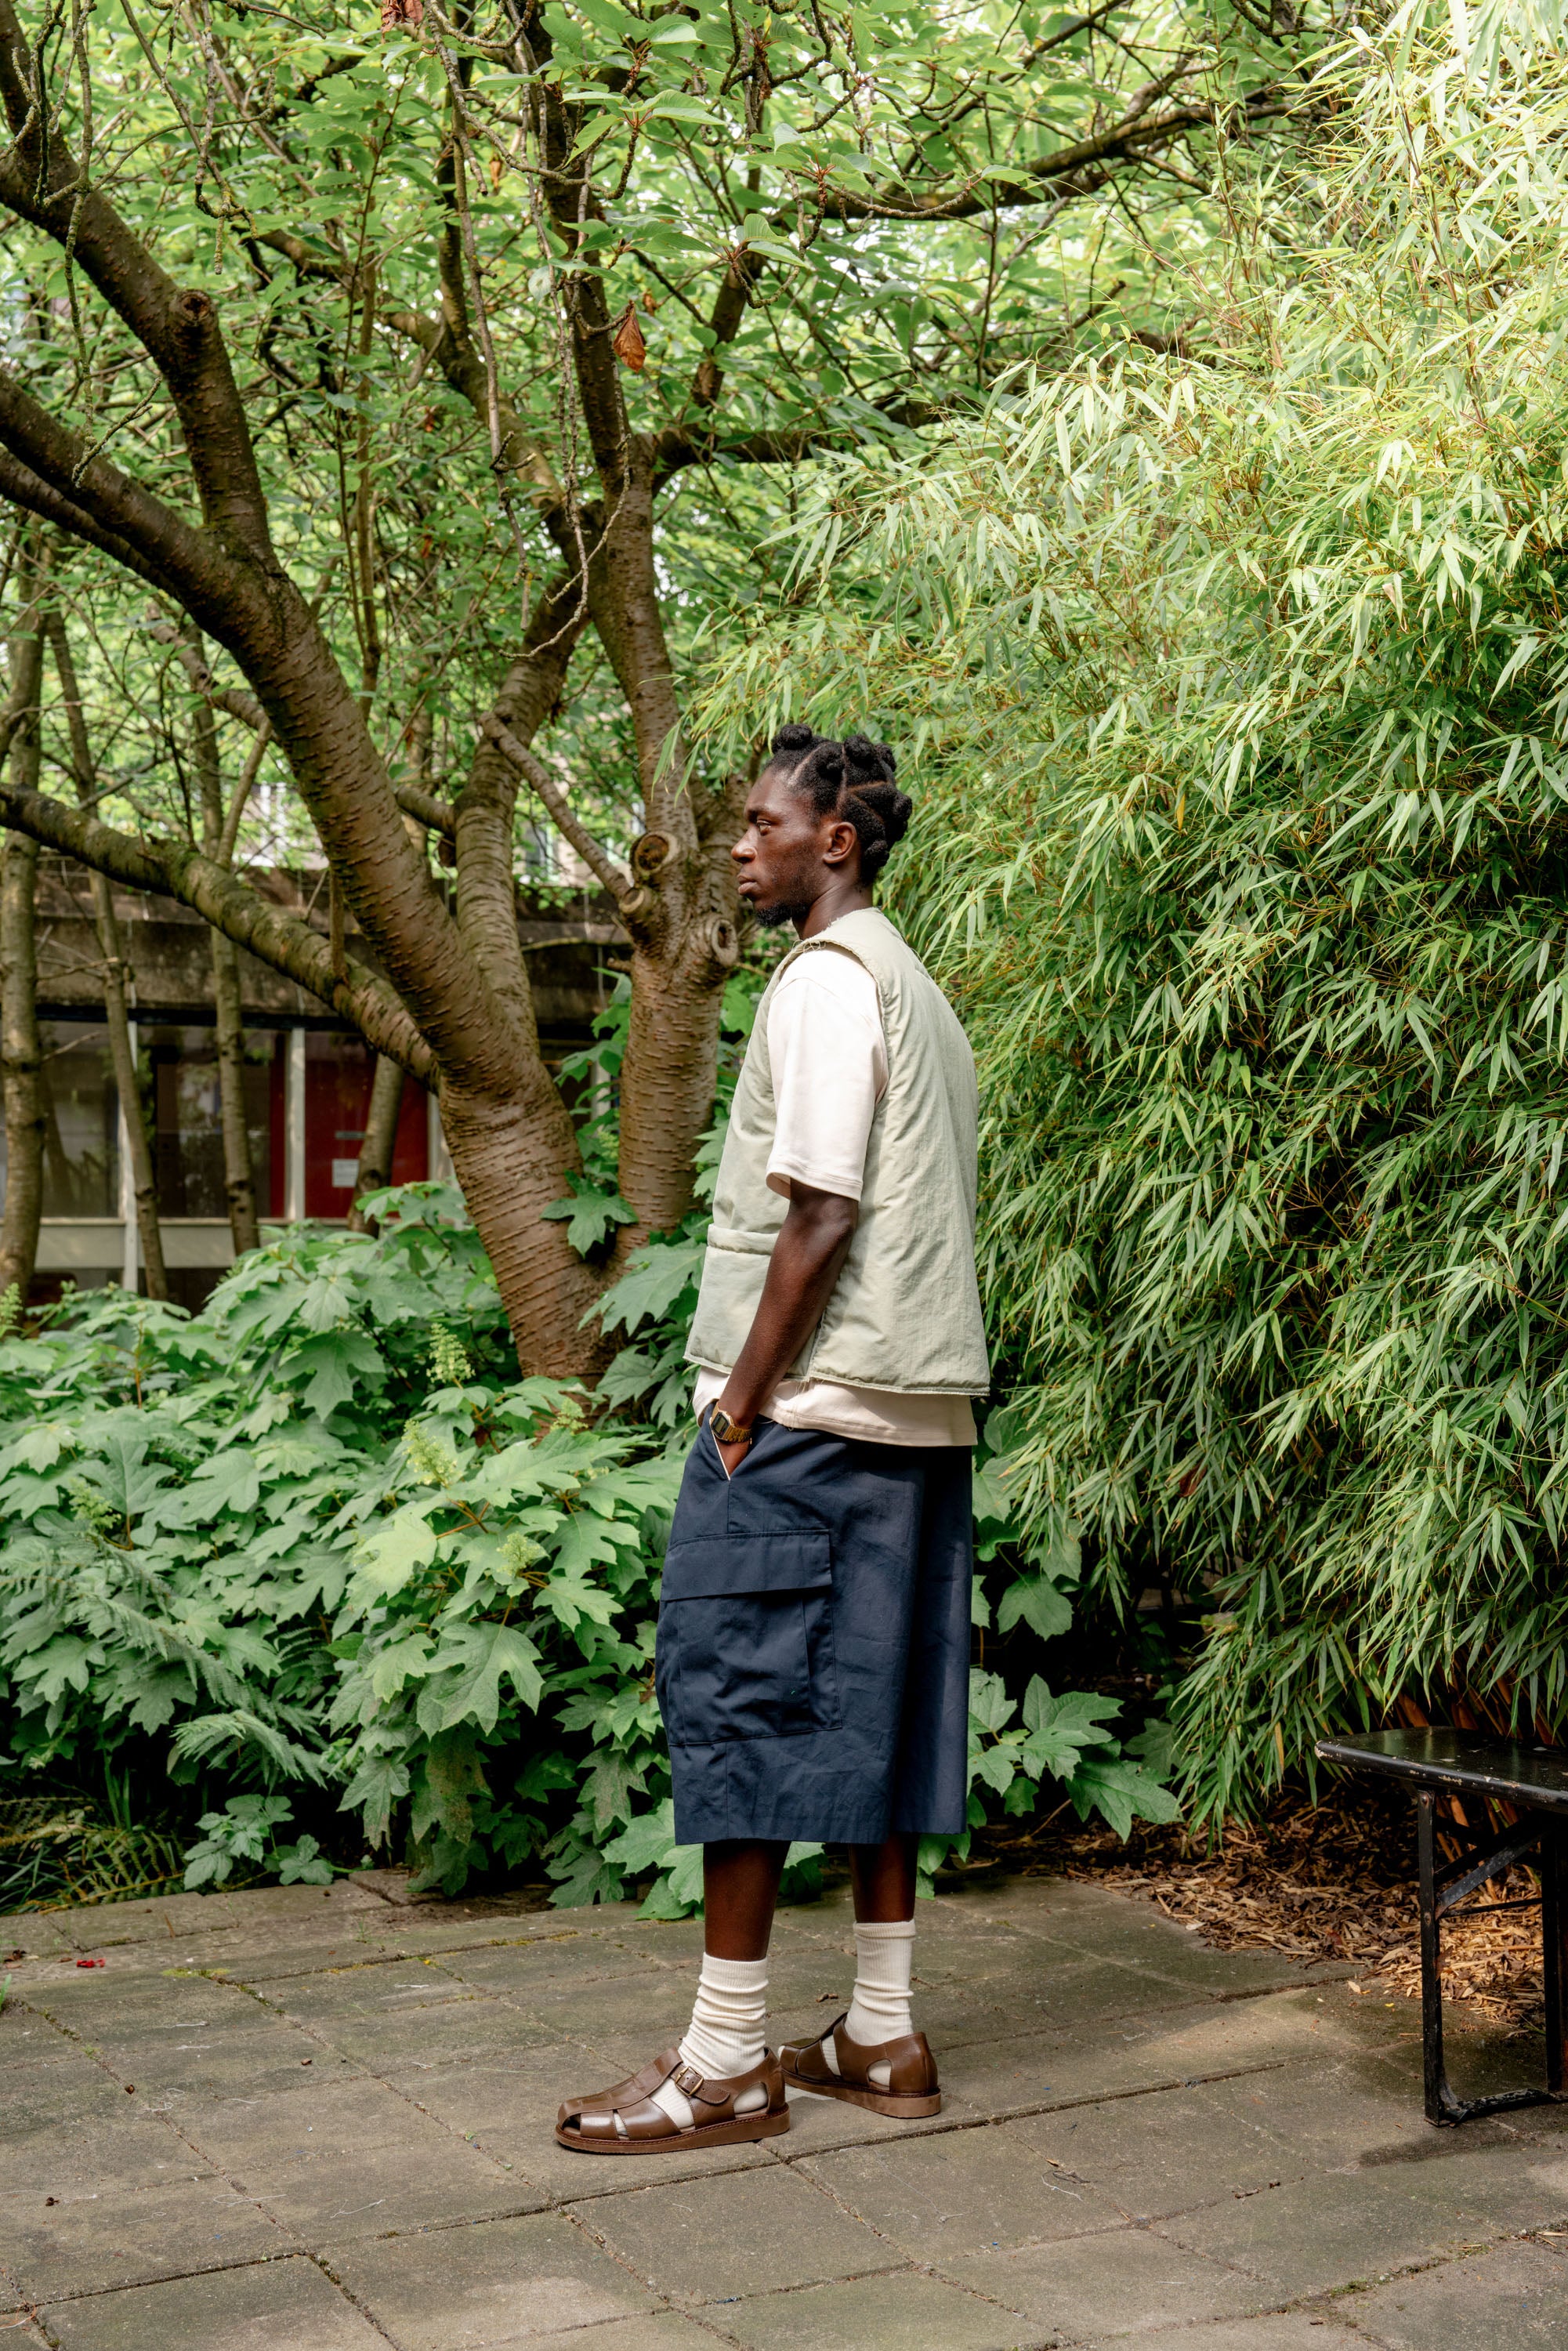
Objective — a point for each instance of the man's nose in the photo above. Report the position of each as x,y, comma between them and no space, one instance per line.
742,851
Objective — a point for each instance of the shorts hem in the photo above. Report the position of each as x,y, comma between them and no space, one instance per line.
715,1828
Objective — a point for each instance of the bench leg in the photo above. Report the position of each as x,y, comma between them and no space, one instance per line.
1554,1951
1442,2106
1435,2081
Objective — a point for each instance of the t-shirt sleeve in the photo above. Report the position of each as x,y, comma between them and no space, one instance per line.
830,1068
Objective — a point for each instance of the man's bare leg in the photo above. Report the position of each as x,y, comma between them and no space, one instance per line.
882,1876
741,1893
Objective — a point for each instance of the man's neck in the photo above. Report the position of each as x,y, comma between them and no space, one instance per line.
839,898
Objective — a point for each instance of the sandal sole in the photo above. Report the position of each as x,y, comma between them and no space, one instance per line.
907,2106
744,2129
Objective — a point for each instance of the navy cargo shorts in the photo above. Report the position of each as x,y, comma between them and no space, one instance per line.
813,1646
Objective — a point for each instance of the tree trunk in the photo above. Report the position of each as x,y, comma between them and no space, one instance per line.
21,1054
143,1178
239,1174
22,1059
240,1179
116,1013
374,1170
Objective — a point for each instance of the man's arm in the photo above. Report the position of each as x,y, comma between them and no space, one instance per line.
813,1244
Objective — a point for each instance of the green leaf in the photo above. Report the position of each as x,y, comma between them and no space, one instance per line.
592,1214
1120,1792
989,1704
654,1277
1061,1728
486,1655
303,1863
451,1778
393,1549
1036,1599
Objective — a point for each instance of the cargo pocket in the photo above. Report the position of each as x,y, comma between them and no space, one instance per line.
746,1639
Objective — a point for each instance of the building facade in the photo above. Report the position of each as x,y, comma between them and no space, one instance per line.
308,1079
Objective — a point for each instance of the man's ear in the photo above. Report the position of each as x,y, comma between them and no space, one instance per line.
842,843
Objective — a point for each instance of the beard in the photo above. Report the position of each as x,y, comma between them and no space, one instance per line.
774,918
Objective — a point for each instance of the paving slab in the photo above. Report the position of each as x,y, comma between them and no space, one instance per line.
1515,2299
500,2282
886,2314
664,2330
1286,2331
1328,2230
84,2239
287,2306
449,2024
963,2191
712,2240
1130,2284
351,2159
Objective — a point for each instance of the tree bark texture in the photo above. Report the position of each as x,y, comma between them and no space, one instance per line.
374,1170
22,1061
239,1174
115,1011
21,1053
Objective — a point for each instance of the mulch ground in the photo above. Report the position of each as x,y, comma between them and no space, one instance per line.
1333,1881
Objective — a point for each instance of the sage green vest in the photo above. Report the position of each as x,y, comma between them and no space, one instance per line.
904,1312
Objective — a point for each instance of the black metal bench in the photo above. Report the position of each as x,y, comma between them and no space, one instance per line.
1534,1781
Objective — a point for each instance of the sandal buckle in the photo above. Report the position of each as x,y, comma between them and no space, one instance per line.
688,2079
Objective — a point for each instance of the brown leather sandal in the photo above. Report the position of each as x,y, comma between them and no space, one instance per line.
588,2124
912,2087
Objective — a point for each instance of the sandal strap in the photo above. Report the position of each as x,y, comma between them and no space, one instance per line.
711,2100
808,2058
911,2069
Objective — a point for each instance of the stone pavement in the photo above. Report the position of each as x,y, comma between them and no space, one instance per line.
297,2121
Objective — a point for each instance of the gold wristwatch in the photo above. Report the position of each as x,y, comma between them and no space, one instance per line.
728,1431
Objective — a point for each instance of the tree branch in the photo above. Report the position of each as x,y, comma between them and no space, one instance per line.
596,858
42,181
233,699
437,816
285,943
21,486
128,521
1077,170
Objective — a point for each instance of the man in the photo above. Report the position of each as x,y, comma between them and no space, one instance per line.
813,1642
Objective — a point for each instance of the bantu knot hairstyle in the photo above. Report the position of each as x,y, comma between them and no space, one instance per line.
853,779
792,742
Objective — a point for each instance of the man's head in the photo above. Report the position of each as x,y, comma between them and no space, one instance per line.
821,820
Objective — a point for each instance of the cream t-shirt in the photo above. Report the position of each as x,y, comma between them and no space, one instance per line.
828,1060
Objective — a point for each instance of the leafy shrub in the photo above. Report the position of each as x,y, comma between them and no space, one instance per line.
1241,685
242,1833
320,1536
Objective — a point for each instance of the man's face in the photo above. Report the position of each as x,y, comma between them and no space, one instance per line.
788,854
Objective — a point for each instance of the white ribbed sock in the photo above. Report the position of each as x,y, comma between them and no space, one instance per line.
879,2006
727,2033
